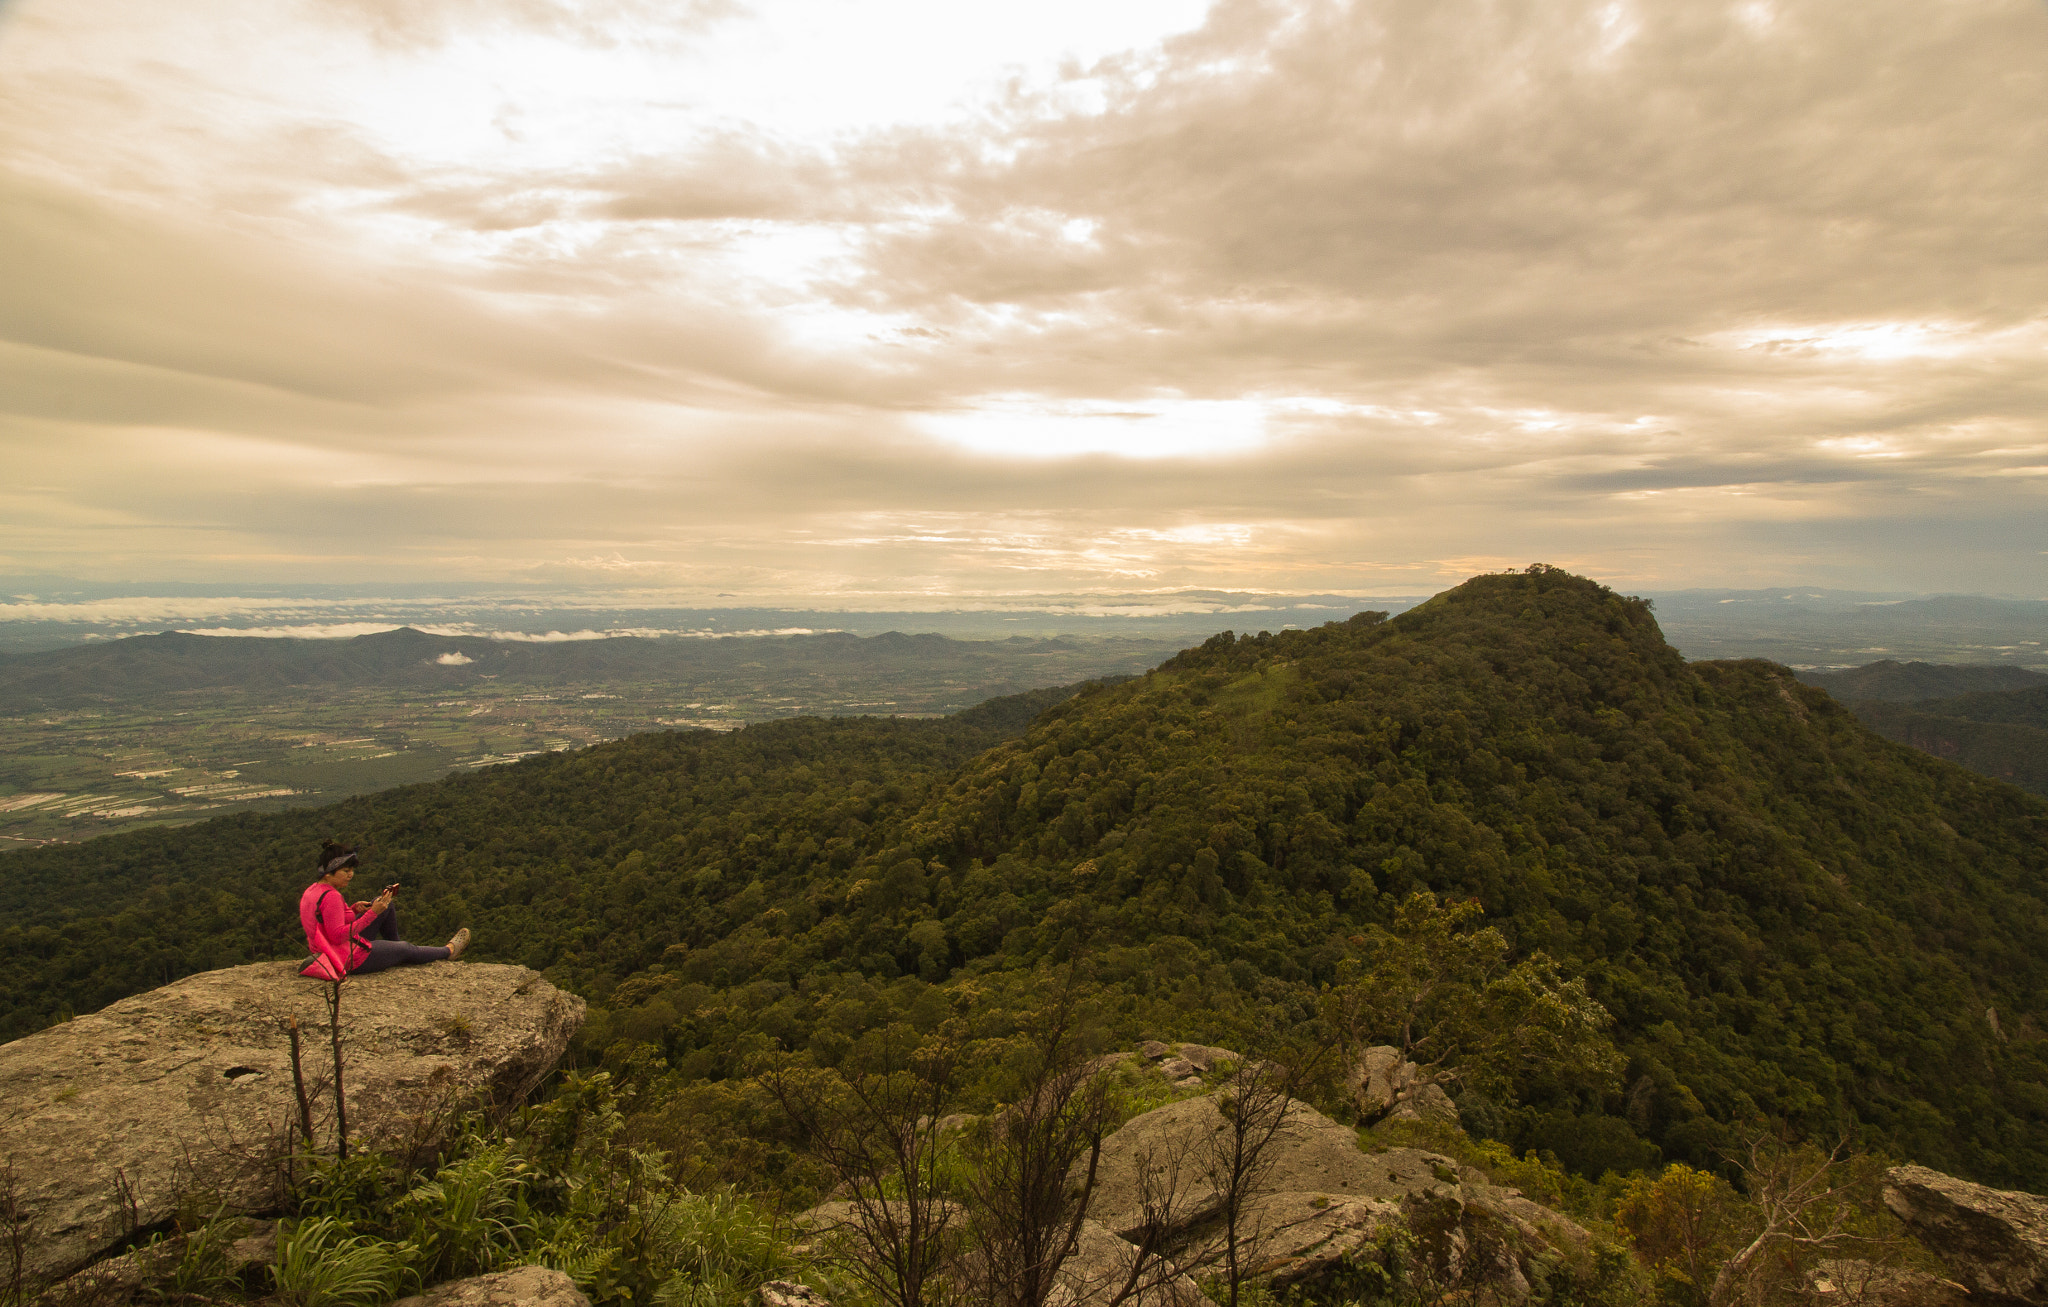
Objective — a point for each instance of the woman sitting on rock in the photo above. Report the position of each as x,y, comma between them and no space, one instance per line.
361,937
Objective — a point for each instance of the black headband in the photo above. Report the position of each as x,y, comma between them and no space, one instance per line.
336,863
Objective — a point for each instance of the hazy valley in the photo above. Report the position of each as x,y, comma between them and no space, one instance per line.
106,737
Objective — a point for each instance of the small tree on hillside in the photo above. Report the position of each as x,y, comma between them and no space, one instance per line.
1031,1165
1259,1109
1806,1203
874,1124
1715,1246
1439,989
1684,1225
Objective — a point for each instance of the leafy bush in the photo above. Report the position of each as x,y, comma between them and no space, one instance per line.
471,1217
202,1269
321,1263
345,1188
723,1247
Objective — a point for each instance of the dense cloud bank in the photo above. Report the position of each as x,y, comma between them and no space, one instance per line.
1303,296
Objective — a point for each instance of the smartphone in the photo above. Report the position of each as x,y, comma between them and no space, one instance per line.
391,889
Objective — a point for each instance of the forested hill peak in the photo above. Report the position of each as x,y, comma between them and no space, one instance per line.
1497,649
1786,914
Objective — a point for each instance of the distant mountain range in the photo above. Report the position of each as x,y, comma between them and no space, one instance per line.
55,612
1800,626
1833,629
1897,682
149,668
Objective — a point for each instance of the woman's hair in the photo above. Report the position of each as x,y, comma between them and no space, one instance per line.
334,856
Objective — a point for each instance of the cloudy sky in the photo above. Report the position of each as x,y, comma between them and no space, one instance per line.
821,301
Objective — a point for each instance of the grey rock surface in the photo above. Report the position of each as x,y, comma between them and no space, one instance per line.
1103,1264
833,1227
786,1293
117,1279
1096,1066
1299,1237
257,1249
1204,1057
1320,1197
1387,1087
1995,1241
522,1286
1311,1155
188,1089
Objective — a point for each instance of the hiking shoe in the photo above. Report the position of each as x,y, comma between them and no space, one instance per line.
459,943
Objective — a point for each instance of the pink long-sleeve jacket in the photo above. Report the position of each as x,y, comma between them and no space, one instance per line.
330,933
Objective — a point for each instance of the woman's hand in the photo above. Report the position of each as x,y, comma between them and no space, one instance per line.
361,905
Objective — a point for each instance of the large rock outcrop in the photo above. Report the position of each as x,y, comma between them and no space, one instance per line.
187,1090
1385,1086
1102,1267
1995,1241
1311,1154
1319,1196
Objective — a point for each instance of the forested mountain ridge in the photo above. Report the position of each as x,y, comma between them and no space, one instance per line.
1788,915
1993,720
564,861
1791,918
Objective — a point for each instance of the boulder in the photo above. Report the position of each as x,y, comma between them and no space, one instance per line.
831,1228
1385,1087
114,1280
1534,1223
1203,1057
251,1248
788,1293
1102,1264
1995,1241
1300,1237
1320,1195
187,1090
522,1286
1095,1066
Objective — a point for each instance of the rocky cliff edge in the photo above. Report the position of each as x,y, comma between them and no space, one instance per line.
186,1092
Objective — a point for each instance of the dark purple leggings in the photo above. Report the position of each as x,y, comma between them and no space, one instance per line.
387,950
